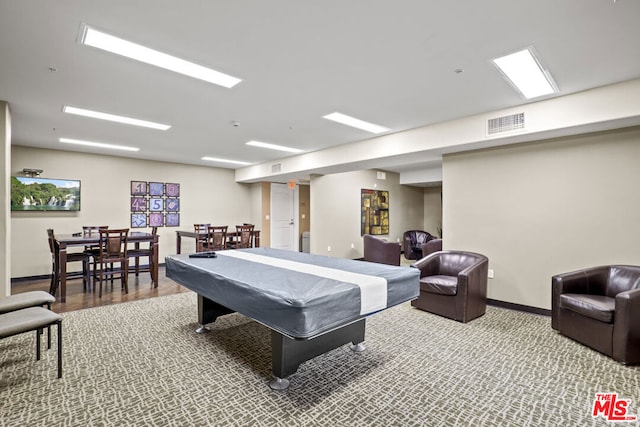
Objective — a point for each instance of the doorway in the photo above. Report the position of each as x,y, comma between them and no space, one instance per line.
284,217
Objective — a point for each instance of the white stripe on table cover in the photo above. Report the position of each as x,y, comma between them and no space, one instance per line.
373,289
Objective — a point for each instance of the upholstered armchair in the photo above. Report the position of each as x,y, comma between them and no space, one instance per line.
381,251
600,308
412,241
431,246
453,284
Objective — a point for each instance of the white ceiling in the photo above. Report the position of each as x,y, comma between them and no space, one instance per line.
391,63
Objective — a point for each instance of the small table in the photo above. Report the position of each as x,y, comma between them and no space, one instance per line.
201,236
65,241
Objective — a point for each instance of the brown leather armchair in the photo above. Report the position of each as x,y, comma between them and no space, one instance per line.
381,251
453,284
431,246
412,241
600,308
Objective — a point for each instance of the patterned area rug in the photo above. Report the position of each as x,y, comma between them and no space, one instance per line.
141,363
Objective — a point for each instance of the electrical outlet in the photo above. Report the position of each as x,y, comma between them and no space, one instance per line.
490,274
353,246
328,248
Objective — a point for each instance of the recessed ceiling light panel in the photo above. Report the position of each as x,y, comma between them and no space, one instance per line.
274,147
92,37
114,118
235,162
524,72
98,144
356,123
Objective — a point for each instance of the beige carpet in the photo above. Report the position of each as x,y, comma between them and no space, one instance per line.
140,363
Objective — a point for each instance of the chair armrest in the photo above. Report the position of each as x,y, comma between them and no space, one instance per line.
626,330
406,244
587,281
474,275
428,265
431,246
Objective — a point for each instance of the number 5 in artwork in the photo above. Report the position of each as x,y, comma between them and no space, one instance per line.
156,204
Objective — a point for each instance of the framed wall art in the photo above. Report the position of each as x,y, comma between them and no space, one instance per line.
374,212
155,204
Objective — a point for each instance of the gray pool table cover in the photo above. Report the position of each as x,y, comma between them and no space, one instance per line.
296,302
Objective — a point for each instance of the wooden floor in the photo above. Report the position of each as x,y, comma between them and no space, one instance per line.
77,298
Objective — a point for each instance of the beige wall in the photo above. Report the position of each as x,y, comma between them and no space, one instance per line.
304,209
206,195
433,210
5,204
335,210
544,208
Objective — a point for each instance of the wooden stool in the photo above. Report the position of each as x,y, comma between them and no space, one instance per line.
32,319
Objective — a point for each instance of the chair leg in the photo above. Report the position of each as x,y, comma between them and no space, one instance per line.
86,278
101,270
48,329
38,332
55,281
125,276
59,322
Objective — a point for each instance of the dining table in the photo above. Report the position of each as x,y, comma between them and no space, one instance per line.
203,236
65,241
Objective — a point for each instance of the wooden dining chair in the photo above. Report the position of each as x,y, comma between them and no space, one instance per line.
71,257
92,250
244,237
201,240
113,250
138,253
216,238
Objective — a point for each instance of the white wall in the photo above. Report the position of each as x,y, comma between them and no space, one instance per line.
5,213
206,195
335,210
545,208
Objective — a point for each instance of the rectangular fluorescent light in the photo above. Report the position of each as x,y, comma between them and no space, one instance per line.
274,147
113,44
356,123
98,144
523,70
114,118
235,162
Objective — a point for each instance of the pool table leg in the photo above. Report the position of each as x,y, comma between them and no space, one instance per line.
287,353
208,312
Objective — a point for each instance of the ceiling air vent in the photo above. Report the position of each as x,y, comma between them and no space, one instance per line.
276,168
505,124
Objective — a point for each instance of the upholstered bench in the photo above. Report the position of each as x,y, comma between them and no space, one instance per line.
25,300
32,319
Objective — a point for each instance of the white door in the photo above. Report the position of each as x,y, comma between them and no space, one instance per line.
284,217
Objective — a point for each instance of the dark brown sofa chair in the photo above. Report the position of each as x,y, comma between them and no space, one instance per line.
431,246
600,308
412,241
381,251
453,284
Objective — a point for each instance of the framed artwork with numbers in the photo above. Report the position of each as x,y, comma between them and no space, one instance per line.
155,204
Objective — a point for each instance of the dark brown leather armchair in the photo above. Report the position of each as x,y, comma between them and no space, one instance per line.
453,284
600,308
412,241
381,251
